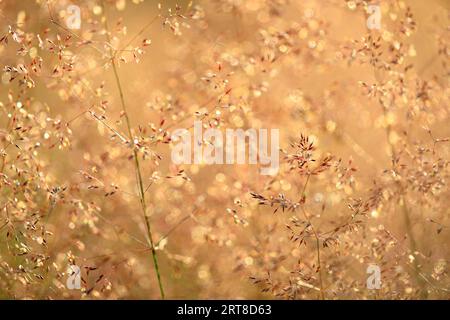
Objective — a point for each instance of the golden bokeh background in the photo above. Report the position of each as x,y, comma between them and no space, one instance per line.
377,100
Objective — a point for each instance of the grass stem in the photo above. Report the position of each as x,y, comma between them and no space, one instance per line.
137,166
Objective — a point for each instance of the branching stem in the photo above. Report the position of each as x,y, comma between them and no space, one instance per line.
136,164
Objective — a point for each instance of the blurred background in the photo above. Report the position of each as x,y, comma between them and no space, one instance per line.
377,101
